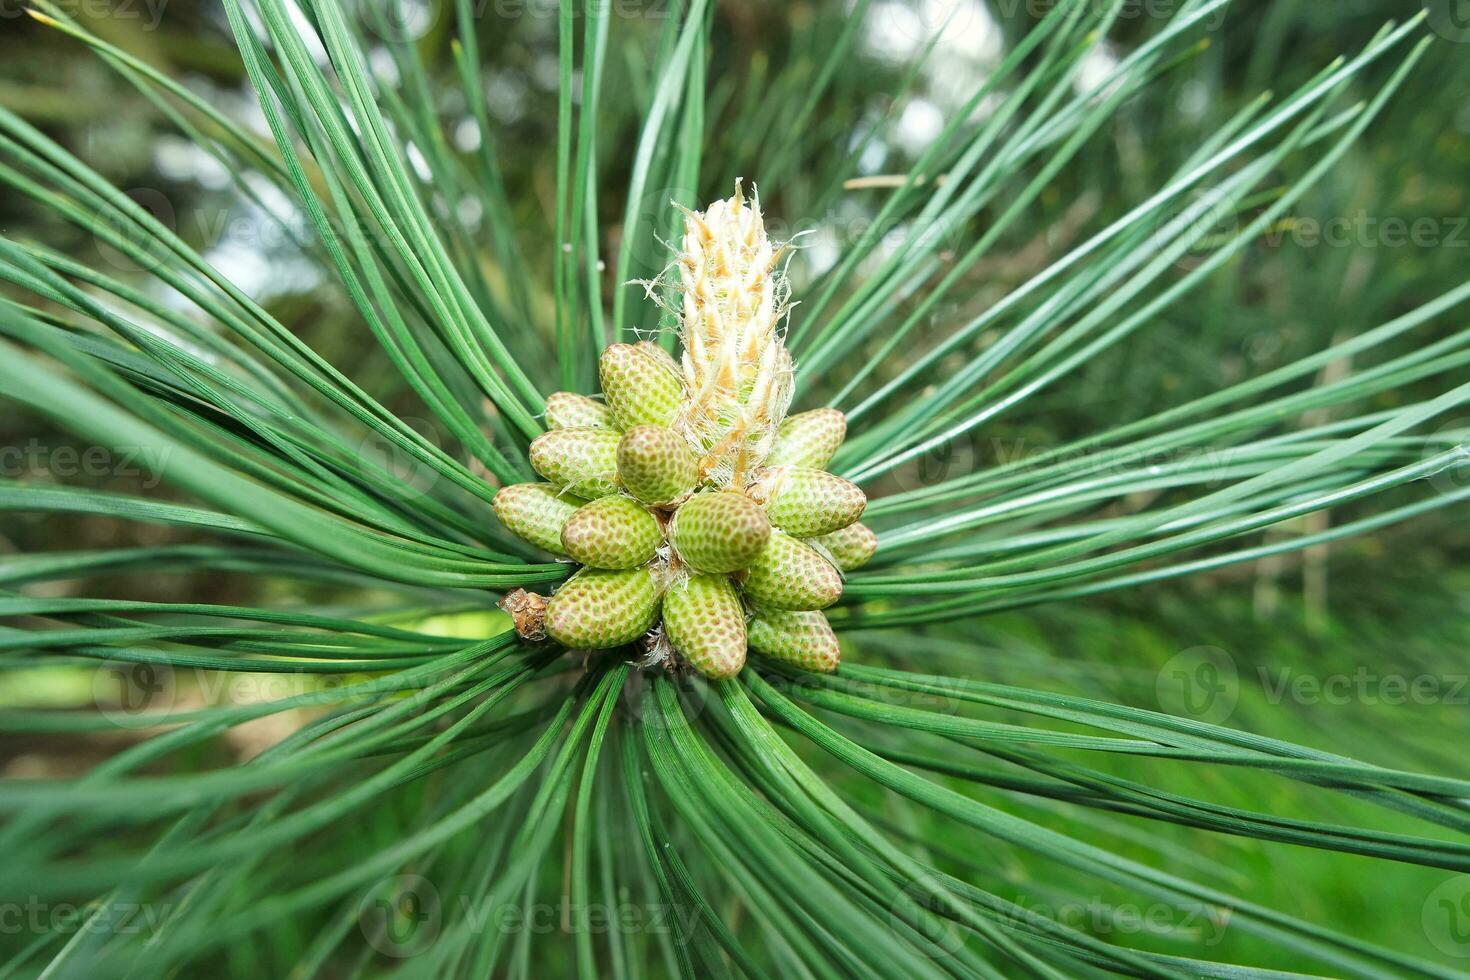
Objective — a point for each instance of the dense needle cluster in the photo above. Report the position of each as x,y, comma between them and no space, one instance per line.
700,511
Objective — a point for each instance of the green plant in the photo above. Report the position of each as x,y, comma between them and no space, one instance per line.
886,819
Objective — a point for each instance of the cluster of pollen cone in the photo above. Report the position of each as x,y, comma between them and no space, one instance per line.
700,512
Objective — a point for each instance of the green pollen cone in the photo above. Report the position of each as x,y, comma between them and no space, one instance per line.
804,639
613,532
809,438
721,531
536,512
656,466
851,546
598,609
565,410
788,574
704,620
661,356
806,502
640,389
582,460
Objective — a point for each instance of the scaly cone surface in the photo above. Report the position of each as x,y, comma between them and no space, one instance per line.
702,516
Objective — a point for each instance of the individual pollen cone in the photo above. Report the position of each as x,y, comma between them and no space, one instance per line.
565,410
597,609
850,547
809,439
639,387
582,461
656,466
660,355
801,638
613,532
536,512
806,502
720,532
737,371
705,622
790,575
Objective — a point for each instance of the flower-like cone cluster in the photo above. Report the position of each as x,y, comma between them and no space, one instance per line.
702,515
